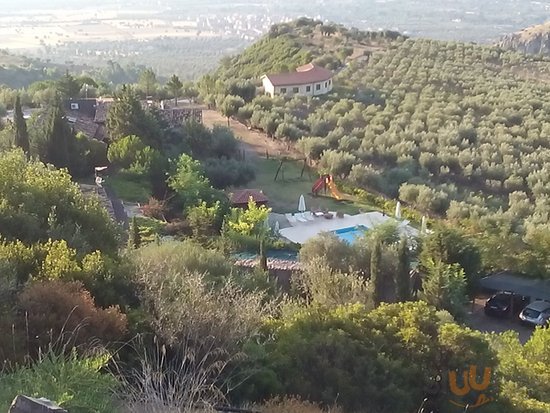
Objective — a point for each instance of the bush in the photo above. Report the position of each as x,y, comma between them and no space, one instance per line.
294,405
336,253
123,152
187,256
333,355
337,163
224,143
66,312
223,173
424,198
38,199
192,304
327,288
74,383
312,147
89,153
148,161
365,177
204,221
155,209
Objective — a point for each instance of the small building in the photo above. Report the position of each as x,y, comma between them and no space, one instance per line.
307,80
240,198
84,107
88,116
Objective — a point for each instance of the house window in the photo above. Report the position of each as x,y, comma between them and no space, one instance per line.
326,84
308,88
330,82
283,90
296,90
318,86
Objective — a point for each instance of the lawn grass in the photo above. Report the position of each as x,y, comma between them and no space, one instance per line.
284,194
130,187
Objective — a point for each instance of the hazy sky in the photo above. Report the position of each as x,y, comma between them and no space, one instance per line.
479,20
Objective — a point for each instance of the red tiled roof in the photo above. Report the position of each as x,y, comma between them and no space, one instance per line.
81,123
242,196
87,127
303,75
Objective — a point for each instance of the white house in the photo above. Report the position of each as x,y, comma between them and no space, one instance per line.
307,80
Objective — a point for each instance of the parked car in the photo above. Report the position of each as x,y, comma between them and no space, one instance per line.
500,304
537,313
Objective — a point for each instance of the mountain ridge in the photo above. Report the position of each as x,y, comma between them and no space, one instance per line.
531,40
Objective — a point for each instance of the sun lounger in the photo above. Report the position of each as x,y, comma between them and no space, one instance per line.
309,216
301,218
290,218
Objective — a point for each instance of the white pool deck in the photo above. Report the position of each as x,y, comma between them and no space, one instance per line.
308,226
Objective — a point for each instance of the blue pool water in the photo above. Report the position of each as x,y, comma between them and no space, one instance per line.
278,254
351,234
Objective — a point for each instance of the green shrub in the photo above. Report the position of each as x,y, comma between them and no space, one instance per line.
73,382
223,173
123,152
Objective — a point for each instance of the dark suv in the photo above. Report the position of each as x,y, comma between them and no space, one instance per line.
500,304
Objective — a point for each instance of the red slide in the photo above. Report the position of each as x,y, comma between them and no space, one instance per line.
318,185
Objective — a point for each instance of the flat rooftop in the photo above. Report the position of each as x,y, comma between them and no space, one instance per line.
507,281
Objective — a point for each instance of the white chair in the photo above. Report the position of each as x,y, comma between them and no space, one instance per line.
300,217
309,216
290,218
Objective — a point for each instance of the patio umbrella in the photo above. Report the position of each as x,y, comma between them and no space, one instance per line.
277,227
302,204
398,210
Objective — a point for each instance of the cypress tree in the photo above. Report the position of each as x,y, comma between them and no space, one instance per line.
375,276
20,126
263,256
127,117
134,237
403,268
57,137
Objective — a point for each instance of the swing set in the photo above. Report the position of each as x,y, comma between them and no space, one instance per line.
280,174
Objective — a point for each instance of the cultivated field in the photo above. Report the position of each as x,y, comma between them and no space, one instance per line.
87,26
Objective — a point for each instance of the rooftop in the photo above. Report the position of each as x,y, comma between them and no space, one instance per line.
242,196
507,281
303,75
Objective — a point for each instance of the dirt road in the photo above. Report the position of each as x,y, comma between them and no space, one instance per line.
252,141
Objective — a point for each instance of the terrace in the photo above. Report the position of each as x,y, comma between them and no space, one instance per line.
348,227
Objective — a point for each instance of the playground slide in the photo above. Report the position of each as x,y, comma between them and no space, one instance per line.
318,185
334,190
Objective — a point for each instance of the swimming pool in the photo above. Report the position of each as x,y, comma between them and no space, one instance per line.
351,234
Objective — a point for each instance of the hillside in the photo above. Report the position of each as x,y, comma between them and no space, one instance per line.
290,45
453,129
19,71
532,40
